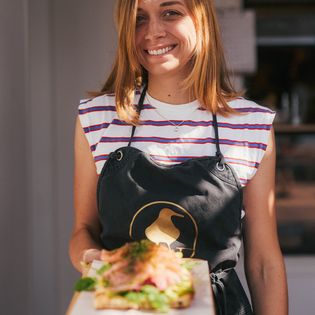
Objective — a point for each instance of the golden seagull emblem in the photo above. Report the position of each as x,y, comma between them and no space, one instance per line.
163,230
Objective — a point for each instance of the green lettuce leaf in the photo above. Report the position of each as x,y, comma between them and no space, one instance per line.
85,284
104,268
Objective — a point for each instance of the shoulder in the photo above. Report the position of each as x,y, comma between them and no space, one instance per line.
244,105
247,132
104,102
252,112
96,114
98,110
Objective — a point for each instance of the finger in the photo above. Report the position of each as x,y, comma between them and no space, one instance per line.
91,254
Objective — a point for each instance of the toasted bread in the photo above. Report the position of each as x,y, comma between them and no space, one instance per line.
103,300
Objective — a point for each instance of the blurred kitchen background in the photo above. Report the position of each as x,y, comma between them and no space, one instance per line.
53,51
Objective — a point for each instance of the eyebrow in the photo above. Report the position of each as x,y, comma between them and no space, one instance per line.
169,3
166,4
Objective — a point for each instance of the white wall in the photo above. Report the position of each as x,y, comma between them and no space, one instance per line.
84,44
14,239
51,52
68,55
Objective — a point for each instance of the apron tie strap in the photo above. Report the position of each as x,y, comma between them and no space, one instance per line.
219,291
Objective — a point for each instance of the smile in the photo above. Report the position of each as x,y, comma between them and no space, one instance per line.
161,51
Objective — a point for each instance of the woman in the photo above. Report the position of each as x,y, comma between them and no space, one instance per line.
170,152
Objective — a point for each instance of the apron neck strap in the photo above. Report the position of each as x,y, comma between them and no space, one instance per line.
217,139
139,108
215,123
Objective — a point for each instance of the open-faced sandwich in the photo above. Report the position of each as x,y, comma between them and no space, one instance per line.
140,275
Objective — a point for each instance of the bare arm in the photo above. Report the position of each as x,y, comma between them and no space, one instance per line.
264,266
84,243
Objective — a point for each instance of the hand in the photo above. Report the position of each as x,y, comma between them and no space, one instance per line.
88,256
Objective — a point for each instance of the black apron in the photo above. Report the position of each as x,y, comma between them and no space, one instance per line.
193,207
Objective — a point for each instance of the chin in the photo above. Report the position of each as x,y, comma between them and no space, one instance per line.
162,70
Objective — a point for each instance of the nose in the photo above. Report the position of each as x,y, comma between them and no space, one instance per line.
155,30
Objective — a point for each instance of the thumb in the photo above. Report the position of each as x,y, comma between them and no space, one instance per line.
91,254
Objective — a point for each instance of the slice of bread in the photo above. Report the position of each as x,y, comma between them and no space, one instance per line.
183,301
104,300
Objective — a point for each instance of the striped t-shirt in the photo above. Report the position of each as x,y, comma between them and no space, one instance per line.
243,138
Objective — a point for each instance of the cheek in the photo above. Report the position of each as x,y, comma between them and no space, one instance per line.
191,31
137,40
139,46
138,37
188,33
193,39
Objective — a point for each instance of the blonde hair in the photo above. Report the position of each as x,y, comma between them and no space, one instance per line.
208,79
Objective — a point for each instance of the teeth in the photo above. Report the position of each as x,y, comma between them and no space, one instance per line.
160,51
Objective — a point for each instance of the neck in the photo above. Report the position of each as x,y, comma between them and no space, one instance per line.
168,90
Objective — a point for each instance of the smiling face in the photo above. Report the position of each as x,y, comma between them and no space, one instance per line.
165,37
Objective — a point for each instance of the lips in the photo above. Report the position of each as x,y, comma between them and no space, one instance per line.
161,51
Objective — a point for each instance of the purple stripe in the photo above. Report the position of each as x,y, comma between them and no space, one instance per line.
248,144
242,162
205,124
254,110
185,158
102,157
109,108
243,181
93,147
97,109
95,127
256,145
157,139
158,123
85,102
182,159
175,122
118,122
172,158
246,126
248,110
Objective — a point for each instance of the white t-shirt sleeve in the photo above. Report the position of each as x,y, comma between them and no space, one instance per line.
261,119
95,116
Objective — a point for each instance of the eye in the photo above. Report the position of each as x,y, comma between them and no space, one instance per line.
140,19
171,13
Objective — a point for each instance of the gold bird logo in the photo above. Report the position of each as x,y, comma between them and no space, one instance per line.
163,230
